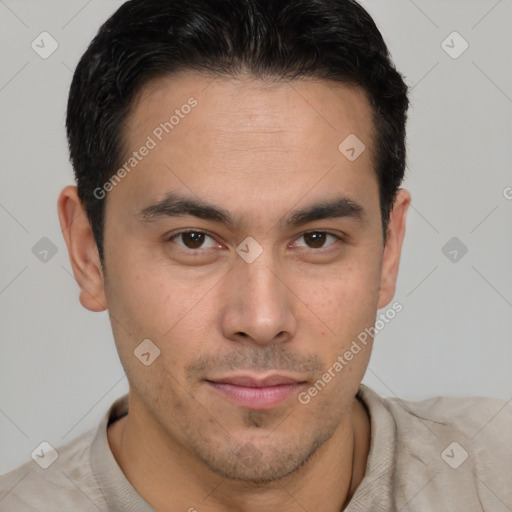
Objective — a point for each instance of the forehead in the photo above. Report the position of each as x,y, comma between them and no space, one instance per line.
247,103
246,139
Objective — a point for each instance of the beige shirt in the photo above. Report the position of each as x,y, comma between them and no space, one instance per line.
440,454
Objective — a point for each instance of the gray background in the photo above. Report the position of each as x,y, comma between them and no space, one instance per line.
59,370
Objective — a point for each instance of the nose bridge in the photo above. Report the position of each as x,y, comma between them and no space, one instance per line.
260,303
263,286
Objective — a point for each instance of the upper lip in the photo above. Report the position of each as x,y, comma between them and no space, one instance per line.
256,382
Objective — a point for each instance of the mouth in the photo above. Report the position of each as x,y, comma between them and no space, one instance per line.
256,393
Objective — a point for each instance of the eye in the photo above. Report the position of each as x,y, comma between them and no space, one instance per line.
317,239
192,239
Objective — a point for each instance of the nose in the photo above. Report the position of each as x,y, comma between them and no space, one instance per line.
258,305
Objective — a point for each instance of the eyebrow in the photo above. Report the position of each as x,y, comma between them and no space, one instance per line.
176,205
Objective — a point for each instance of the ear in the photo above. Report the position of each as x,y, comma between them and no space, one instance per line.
393,248
83,253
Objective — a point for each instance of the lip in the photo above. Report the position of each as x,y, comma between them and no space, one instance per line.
256,393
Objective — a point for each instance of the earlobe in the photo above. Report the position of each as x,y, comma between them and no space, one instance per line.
393,248
83,253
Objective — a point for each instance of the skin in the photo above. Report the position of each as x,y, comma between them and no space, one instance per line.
259,151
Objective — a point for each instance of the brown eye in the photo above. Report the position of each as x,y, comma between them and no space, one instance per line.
317,239
191,239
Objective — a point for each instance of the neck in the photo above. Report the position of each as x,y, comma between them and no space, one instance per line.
169,477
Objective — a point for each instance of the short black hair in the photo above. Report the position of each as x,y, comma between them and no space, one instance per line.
334,40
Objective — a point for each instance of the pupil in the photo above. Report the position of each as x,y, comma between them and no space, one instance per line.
316,238
193,239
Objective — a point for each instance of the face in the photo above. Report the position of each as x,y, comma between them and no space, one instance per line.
206,255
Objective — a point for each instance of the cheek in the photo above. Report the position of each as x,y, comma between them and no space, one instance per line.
346,309
174,311
341,301
155,299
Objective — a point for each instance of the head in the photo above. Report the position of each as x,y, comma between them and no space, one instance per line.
238,166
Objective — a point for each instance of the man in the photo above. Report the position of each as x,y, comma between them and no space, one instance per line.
238,211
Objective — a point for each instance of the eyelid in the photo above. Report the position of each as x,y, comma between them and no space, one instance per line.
341,237
187,230
175,234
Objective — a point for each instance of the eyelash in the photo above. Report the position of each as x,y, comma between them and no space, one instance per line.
321,249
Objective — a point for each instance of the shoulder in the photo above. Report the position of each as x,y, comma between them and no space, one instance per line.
54,479
475,428
457,451
473,417
482,419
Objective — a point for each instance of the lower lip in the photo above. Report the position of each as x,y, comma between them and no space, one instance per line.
256,398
